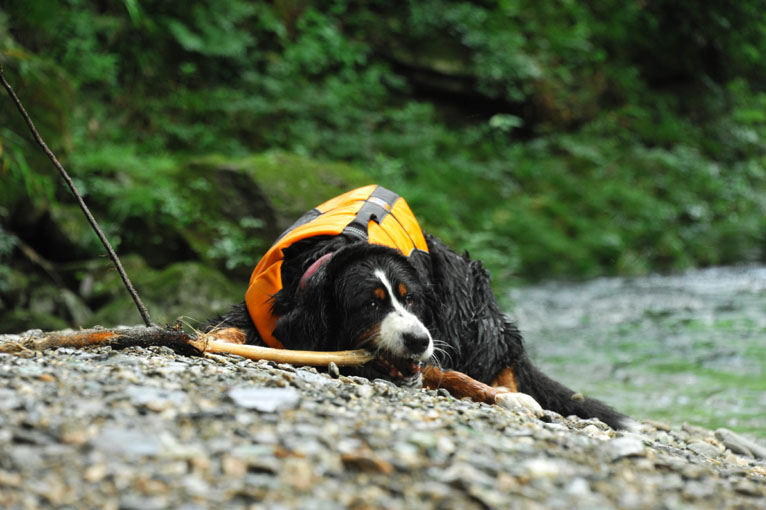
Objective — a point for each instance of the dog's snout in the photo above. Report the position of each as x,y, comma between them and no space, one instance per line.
416,341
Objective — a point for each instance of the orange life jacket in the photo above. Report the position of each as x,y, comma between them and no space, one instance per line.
371,213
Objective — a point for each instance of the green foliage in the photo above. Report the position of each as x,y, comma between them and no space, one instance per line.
191,290
8,242
548,138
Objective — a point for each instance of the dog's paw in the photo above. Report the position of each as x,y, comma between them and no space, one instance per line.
513,400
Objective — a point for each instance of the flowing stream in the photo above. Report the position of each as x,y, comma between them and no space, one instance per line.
682,348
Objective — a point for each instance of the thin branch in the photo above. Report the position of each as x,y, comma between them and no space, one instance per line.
116,338
180,342
112,255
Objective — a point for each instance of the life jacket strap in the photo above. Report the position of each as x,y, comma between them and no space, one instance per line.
376,207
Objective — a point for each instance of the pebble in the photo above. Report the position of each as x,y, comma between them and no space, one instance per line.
624,447
739,444
333,370
266,400
156,399
366,461
542,467
365,391
465,475
578,488
145,428
117,440
703,448
9,400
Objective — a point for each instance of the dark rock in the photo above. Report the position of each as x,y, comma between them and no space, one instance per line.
257,198
188,289
21,319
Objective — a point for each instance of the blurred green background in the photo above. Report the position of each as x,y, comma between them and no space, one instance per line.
549,138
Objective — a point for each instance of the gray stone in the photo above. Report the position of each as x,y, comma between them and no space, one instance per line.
115,440
87,438
313,379
265,400
465,475
703,448
578,488
9,399
740,444
542,467
624,447
365,391
750,488
699,490
154,397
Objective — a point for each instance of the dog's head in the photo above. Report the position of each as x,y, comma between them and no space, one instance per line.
361,296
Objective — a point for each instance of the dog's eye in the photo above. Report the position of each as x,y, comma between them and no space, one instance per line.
409,300
373,304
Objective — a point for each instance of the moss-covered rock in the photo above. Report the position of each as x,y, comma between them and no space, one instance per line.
14,285
22,319
192,290
99,282
59,302
179,226
249,201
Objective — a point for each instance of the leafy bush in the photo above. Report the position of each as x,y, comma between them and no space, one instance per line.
550,139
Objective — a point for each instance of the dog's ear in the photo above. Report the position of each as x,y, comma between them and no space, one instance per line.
307,323
421,261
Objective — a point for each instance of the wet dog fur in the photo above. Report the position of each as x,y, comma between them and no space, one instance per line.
428,309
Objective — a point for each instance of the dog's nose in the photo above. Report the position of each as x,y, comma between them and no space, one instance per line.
416,341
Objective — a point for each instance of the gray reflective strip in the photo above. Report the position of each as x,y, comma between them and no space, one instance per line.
307,217
376,207
380,203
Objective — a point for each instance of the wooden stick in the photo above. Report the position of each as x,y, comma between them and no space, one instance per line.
177,340
312,358
459,385
118,338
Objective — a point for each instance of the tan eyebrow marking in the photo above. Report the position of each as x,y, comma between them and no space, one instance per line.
402,289
380,293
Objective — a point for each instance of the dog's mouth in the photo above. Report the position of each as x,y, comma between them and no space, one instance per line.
402,371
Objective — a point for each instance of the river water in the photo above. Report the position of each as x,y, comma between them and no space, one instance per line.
682,348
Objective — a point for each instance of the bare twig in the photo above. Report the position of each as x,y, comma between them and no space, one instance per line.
112,255
117,338
176,339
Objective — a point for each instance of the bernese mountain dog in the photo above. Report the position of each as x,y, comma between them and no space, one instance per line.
357,272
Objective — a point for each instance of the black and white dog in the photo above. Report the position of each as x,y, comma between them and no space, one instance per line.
428,317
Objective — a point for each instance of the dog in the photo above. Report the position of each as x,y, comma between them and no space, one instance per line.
358,272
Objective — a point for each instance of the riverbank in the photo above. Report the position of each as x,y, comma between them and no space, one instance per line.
684,347
149,429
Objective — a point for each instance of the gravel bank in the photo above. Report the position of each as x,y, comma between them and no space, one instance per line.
148,429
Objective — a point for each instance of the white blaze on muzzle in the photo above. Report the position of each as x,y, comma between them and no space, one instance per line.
398,324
